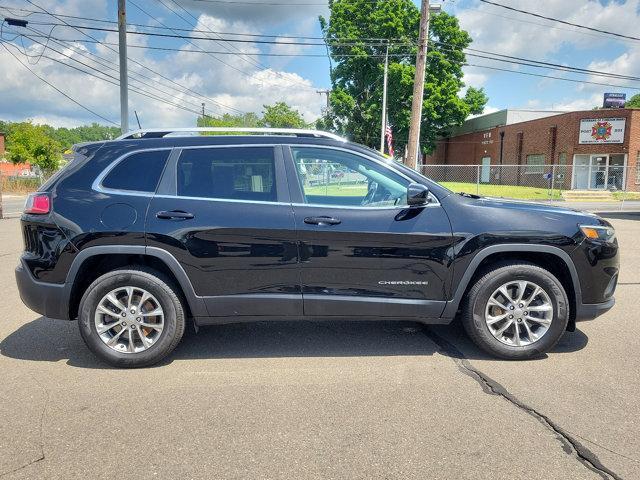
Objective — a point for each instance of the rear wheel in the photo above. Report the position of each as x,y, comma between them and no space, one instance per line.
516,311
131,318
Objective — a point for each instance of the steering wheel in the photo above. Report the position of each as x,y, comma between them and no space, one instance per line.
368,198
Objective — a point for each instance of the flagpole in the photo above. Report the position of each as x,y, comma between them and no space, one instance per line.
383,129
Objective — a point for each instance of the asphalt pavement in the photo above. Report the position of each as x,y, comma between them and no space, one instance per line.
348,400
12,205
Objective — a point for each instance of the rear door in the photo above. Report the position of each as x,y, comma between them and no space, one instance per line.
224,213
363,251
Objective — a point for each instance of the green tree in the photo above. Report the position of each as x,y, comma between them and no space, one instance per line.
248,120
281,115
356,97
29,143
633,102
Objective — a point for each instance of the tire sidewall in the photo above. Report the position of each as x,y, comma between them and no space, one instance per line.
538,276
103,285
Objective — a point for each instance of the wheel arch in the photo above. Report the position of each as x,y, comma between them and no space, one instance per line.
92,262
554,259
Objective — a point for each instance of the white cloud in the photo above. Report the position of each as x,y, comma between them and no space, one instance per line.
500,30
226,83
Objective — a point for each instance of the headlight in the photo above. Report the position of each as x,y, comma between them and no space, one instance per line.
598,232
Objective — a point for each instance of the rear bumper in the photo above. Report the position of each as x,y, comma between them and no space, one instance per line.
589,311
50,300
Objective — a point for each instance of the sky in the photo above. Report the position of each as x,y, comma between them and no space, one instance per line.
230,82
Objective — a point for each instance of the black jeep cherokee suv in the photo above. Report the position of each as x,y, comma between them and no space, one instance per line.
136,235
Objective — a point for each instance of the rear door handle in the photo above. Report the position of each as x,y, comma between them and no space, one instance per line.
174,215
322,221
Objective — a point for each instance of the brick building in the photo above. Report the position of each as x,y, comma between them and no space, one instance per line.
591,150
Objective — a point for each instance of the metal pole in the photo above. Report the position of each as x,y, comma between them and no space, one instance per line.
478,180
553,179
203,112
384,100
122,48
418,87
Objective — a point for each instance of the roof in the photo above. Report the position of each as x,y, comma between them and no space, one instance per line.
499,119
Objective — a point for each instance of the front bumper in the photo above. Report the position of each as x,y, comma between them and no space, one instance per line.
589,311
47,299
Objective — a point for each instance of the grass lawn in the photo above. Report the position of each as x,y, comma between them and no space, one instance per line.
337,190
626,195
507,191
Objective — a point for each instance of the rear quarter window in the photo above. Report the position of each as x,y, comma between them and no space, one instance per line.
139,172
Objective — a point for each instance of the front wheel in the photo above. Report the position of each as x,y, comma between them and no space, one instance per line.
131,318
516,311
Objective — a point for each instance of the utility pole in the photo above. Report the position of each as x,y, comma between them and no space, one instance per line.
203,113
325,92
384,100
418,86
122,49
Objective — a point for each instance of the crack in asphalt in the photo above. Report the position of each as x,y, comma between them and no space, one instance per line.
570,445
41,456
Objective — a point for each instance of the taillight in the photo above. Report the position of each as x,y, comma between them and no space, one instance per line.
37,204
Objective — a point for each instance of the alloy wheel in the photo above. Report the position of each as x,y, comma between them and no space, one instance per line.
519,313
129,319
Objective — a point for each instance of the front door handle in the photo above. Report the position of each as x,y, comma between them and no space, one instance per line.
174,215
321,221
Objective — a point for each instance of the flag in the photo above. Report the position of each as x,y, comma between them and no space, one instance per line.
389,136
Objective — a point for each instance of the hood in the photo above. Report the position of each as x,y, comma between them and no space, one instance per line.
532,206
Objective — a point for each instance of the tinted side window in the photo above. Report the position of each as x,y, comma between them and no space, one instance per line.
237,173
336,177
139,172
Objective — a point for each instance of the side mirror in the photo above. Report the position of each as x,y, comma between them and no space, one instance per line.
417,195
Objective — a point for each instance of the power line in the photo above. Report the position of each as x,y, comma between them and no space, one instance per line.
551,77
269,4
113,81
106,63
546,25
56,88
345,43
249,60
489,56
142,65
170,27
559,21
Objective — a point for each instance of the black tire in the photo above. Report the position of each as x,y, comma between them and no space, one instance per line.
151,281
473,310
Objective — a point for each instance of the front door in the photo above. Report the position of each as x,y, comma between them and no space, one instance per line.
363,251
598,180
485,172
224,214
616,174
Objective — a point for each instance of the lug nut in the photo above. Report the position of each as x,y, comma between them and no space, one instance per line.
511,307
521,305
124,324
124,314
133,327
526,313
138,319
519,320
133,310
510,316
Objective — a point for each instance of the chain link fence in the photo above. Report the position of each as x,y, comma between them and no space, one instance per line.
546,183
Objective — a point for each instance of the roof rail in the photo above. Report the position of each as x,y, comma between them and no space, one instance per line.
163,132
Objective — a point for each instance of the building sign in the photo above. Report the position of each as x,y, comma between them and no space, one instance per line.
602,130
614,100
